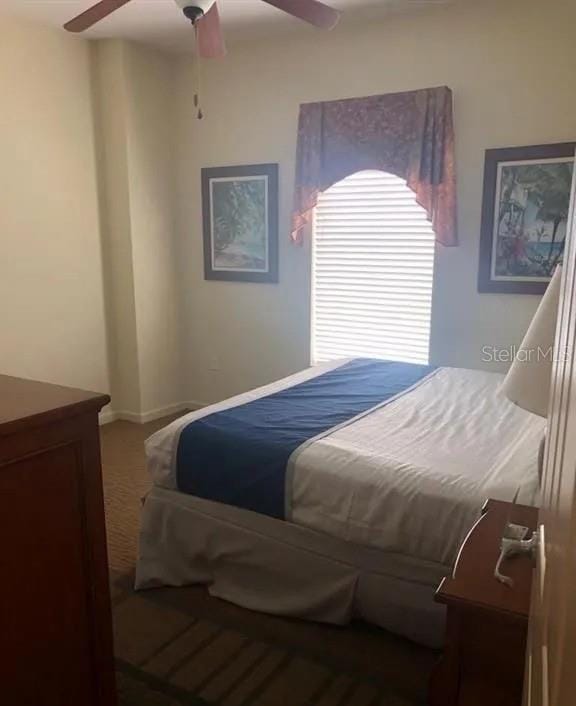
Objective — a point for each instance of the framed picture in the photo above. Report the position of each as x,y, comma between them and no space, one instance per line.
524,216
240,213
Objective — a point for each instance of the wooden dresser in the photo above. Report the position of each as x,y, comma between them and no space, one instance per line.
487,621
55,619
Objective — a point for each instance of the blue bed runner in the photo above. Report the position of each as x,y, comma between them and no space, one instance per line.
239,456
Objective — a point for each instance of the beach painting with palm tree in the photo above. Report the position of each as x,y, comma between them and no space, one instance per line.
531,218
240,206
239,227
529,215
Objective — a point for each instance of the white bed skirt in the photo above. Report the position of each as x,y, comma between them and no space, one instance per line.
277,567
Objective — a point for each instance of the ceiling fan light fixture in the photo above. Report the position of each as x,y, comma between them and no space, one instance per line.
194,9
204,16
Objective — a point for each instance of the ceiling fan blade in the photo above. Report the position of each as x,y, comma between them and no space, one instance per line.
94,14
210,36
312,11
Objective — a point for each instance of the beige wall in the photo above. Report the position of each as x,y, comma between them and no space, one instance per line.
134,90
152,152
110,104
87,189
51,292
511,65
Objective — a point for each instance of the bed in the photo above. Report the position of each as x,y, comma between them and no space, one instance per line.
342,491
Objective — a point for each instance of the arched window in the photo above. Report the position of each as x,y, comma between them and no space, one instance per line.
372,270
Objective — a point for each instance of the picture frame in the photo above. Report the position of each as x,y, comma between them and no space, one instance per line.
525,206
240,223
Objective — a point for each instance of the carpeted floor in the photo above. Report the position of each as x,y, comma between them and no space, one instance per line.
178,646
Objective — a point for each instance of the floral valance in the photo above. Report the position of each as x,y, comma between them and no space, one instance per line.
408,134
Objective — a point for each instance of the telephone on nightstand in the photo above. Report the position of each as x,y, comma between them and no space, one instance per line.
487,619
513,543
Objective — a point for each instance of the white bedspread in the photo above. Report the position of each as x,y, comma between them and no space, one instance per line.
409,477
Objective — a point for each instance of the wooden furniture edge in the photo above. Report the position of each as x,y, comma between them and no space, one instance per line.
449,591
65,402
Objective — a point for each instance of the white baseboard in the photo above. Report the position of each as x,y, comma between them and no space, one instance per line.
193,405
107,416
144,417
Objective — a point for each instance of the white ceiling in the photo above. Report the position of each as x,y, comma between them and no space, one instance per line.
160,22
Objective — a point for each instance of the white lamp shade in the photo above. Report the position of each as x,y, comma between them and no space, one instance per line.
528,381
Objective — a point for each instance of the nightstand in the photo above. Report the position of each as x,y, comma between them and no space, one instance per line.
487,621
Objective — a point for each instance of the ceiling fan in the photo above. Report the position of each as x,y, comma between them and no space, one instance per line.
205,17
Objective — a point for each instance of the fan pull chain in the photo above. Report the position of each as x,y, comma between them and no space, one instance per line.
197,74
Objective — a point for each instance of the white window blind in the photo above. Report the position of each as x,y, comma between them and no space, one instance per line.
372,269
